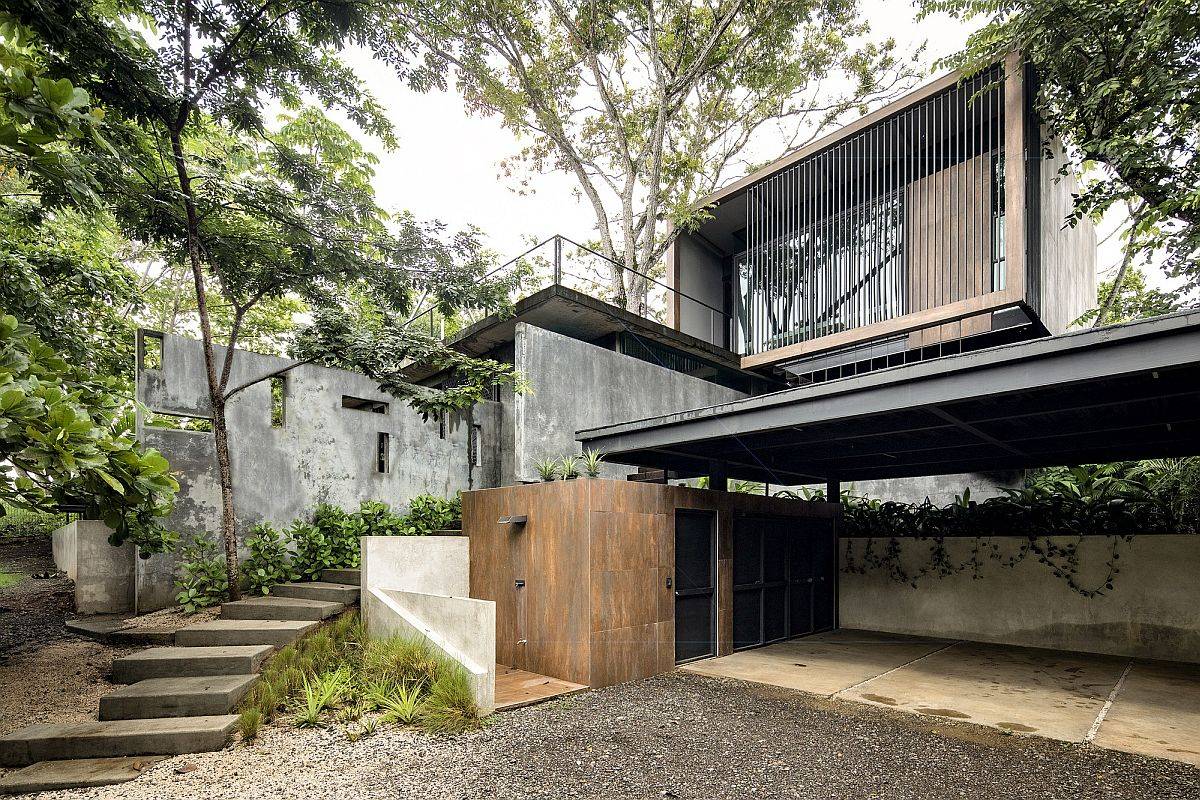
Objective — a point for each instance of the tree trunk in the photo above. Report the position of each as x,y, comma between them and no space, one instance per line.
215,389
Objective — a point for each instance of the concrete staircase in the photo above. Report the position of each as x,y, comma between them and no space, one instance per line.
178,699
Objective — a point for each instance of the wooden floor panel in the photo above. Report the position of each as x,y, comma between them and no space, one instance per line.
516,688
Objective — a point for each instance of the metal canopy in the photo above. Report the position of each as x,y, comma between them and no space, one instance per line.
1120,392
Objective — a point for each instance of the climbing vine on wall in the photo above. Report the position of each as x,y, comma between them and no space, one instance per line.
1111,500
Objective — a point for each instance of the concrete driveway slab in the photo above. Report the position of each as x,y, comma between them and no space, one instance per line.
823,664
1050,693
1156,713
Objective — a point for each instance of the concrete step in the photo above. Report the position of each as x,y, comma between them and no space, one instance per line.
131,737
176,697
49,776
318,590
231,632
290,608
346,576
174,662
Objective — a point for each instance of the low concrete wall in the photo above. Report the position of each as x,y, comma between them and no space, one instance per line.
1151,612
419,586
103,574
461,628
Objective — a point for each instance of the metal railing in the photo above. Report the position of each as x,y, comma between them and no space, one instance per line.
561,261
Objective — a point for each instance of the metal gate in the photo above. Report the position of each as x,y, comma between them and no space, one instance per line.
784,578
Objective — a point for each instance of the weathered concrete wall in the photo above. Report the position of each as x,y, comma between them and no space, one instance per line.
103,574
432,564
1151,612
322,453
939,489
578,385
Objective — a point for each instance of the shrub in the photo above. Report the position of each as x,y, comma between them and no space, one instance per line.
269,562
567,467
547,469
591,460
378,519
428,513
314,552
21,522
342,530
201,581
450,706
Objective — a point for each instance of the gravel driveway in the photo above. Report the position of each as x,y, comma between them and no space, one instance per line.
677,735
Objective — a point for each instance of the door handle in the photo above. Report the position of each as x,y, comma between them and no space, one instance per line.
670,583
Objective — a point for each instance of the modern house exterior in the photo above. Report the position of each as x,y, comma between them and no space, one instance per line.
934,225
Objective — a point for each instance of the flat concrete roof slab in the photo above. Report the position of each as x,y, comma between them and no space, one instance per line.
1156,713
1018,689
824,664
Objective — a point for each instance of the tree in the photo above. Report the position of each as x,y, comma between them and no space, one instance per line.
651,106
254,213
1120,84
1132,301
65,442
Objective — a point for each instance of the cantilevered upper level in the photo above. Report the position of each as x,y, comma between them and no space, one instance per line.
935,224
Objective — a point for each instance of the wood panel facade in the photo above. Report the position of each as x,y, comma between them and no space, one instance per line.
594,558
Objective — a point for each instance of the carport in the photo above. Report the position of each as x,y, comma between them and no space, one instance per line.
1122,392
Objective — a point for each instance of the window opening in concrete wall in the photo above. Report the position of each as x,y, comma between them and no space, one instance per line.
177,422
150,354
442,428
473,445
362,404
383,452
278,401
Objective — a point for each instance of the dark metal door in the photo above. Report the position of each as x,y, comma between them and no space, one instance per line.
783,579
695,585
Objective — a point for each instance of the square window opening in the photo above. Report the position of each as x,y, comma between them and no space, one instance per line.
150,353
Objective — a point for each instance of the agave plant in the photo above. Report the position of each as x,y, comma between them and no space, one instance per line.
547,469
567,467
591,460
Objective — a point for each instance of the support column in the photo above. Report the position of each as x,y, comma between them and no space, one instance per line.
833,490
718,481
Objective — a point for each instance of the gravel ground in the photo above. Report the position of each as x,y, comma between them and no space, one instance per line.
673,736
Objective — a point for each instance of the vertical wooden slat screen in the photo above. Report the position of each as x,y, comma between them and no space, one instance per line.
901,216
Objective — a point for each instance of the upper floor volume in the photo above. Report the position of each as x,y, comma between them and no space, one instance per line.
934,224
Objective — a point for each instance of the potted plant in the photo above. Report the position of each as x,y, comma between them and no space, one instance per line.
567,468
591,462
547,469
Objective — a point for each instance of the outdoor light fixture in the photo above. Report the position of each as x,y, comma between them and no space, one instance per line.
514,520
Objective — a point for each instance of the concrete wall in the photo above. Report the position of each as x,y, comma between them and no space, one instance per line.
700,276
322,453
1068,254
578,385
418,587
939,489
103,574
1151,612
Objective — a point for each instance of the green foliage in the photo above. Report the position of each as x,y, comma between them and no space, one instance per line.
66,440
249,722
649,107
379,519
428,513
547,468
591,460
200,579
313,550
269,562
1134,300
16,523
1118,83
342,530
394,680
567,467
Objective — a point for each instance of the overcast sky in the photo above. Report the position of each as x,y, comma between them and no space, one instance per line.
447,164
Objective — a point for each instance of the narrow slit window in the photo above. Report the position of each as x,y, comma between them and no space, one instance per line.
475,446
383,453
151,351
362,404
278,401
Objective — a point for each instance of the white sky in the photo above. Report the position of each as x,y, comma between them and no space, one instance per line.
447,164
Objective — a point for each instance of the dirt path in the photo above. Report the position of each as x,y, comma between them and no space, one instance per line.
32,610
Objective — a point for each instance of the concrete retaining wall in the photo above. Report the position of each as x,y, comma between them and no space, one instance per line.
1151,611
578,385
103,574
322,453
418,586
